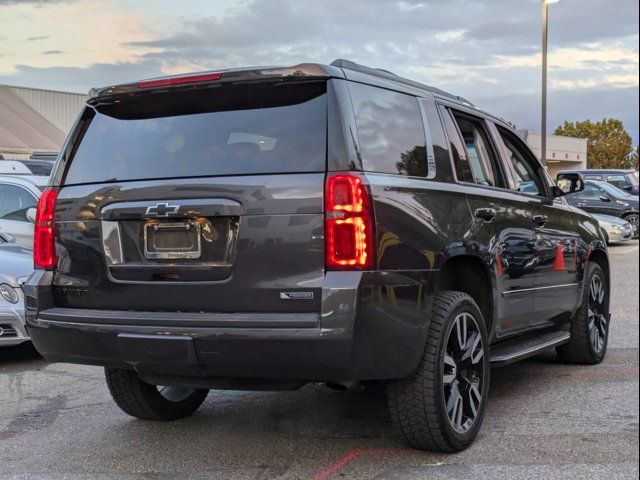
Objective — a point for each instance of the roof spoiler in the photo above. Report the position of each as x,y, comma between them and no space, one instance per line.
301,72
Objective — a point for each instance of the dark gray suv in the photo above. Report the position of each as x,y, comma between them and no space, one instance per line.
264,228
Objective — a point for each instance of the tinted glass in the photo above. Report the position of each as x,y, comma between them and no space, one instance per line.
590,192
14,203
458,152
612,190
222,131
390,131
528,180
620,181
479,155
593,177
439,141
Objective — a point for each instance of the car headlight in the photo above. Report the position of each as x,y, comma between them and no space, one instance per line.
8,293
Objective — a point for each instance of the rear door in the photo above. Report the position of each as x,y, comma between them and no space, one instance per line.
198,200
503,221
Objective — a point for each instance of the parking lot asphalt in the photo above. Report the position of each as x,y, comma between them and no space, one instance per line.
544,420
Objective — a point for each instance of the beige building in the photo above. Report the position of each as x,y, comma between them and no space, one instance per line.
563,153
35,120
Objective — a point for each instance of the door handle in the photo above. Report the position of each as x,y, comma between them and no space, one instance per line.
486,214
540,220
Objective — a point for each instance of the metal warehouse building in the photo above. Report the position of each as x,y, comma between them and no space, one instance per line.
35,120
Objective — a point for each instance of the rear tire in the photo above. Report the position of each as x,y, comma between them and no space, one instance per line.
440,407
150,402
590,325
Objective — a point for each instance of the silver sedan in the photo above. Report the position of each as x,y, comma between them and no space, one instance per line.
16,264
615,229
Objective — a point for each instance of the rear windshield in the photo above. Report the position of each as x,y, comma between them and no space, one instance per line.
225,130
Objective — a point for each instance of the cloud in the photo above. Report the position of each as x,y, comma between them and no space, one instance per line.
52,52
34,2
472,48
593,103
35,39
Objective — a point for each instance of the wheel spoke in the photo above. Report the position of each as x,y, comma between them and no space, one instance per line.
593,334
461,330
602,324
455,407
474,400
451,370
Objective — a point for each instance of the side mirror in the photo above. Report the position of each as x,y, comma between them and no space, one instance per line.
604,198
570,182
557,192
31,214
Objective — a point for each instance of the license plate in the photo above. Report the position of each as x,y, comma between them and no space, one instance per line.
172,240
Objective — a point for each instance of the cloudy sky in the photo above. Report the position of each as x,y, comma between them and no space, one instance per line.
485,50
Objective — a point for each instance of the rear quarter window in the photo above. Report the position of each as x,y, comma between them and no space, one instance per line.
390,131
229,130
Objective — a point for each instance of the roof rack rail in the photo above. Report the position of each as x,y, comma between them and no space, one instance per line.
379,72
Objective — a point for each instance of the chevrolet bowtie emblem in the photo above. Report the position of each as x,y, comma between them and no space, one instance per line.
162,210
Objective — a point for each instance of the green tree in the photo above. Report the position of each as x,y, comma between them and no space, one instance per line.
608,143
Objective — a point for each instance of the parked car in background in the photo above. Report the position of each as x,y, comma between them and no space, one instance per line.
41,168
19,196
625,180
14,167
263,228
615,229
605,199
16,264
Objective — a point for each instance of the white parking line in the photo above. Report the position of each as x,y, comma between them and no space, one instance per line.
623,251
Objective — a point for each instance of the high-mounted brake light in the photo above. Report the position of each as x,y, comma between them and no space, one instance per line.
44,247
348,223
168,81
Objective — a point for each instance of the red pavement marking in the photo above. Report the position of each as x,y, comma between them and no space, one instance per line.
340,464
354,454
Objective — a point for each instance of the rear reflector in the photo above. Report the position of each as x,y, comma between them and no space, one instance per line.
348,223
168,81
44,247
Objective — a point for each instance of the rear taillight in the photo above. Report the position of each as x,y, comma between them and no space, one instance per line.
44,247
180,80
348,225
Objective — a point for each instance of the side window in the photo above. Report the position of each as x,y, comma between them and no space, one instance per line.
438,139
458,152
480,156
527,176
593,177
590,192
14,203
390,131
619,181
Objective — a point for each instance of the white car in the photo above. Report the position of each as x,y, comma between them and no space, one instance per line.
19,196
16,264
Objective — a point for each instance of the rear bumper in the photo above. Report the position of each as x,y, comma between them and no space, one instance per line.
371,325
289,346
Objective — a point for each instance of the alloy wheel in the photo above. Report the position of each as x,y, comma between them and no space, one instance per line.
462,372
598,324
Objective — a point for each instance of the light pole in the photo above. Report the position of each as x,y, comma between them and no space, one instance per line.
543,137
